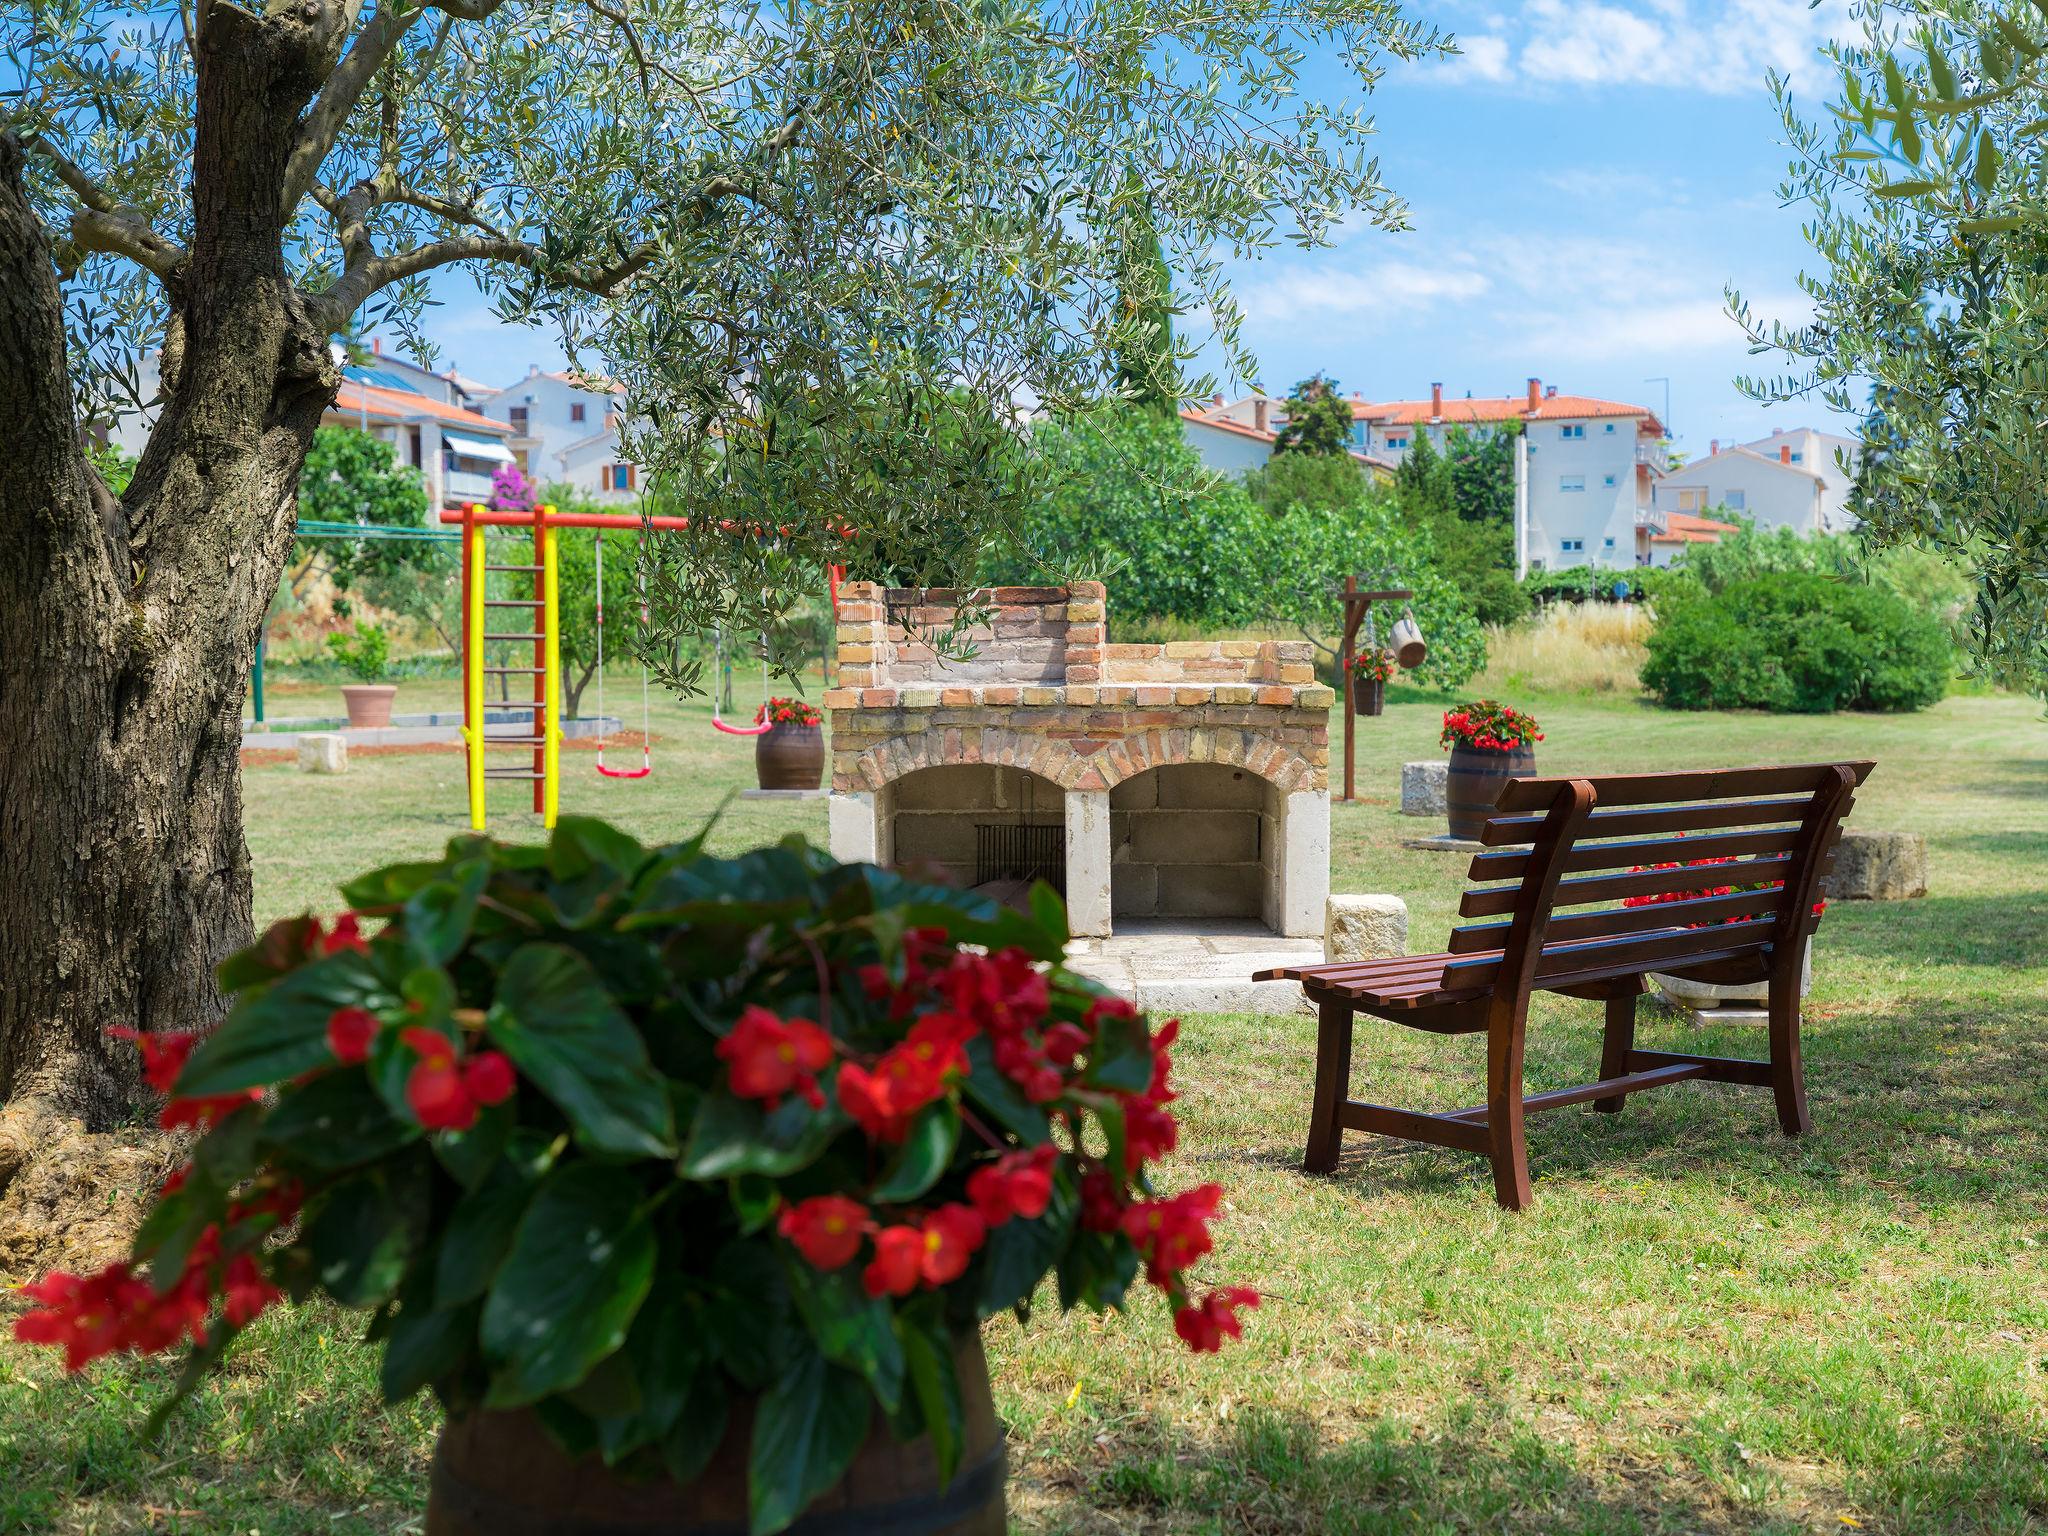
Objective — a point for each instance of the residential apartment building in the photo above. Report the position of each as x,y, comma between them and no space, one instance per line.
1792,479
1237,437
1585,467
420,413
565,428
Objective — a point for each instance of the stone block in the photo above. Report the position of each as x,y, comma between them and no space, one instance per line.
323,752
1878,866
1364,928
1423,787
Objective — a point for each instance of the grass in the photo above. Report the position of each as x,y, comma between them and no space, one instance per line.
1595,648
1700,1327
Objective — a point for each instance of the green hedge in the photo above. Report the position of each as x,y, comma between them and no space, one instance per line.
1796,643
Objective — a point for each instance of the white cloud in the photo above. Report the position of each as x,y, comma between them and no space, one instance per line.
1328,291
1718,47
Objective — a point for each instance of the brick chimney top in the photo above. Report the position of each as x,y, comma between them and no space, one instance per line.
376,346
1259,413
1436,402
1216,401
1535,393
1713,446
1785,453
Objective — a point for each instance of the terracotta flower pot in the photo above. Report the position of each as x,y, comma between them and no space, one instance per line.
1474,783
790,757
369,704
499,1474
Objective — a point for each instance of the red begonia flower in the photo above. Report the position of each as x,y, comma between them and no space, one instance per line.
899,1255
1203,1327
951,1234
349,1033
825,1229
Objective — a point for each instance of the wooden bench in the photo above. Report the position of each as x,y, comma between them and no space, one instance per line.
1559,895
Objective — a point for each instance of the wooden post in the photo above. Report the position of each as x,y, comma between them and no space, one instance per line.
1355,605
1354,611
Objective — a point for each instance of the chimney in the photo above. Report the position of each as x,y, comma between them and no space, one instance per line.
1216,402
1785,453
376,346
1550,392
1535,394
1259,414
1713,446
1777,431
1436,402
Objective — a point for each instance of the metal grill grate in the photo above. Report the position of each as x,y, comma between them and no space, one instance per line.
1018,851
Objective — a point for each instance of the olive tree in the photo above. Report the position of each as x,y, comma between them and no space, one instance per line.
748,214
1928,211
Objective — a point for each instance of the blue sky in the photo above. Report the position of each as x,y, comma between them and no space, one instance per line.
1584,183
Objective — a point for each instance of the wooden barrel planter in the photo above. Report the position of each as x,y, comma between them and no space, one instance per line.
499,1474
790,757
1474,783
1368,694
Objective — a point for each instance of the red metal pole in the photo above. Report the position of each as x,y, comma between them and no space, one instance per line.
1344,681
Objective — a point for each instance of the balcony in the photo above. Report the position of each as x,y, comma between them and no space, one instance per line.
462,485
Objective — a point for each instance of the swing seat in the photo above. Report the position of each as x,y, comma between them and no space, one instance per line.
741,730
626,773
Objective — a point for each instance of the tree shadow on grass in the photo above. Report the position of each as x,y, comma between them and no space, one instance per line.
1933,1102
1268,1472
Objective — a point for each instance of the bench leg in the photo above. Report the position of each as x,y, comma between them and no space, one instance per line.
1333,1087
1509,1154
1615,1044
1788,1076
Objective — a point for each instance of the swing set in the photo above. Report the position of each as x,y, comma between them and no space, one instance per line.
542,738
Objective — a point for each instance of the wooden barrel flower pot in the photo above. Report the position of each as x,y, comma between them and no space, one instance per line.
500,1474
1490,743
1474,783
790,754
790,757
1368,694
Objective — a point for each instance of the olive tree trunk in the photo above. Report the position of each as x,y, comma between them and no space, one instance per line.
127,625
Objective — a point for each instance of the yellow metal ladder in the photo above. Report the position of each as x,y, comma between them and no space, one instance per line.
543,737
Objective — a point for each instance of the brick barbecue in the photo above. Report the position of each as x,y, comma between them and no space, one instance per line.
1179,781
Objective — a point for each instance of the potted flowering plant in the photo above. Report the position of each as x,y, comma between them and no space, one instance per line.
683,1182
1700,998
1490,743
1369,673
790,754
366,656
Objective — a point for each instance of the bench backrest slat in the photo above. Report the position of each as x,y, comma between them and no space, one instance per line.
1692,784
1770,832
1477,938
1502,830
1624,853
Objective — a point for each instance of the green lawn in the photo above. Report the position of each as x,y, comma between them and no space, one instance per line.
1701,1326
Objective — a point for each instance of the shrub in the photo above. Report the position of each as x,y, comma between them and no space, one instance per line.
1796,642
366,656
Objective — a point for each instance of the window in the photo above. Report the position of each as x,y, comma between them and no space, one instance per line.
1358,433
576,410
1692,501
1798,457
518,416
1607,543
620,477
1608,481
1572,546
1571,482
1610,429
1397,442
1572,430
1736,501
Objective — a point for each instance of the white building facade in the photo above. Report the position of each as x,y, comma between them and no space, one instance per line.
1584,467
550,414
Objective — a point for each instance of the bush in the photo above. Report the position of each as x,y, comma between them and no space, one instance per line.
1799,643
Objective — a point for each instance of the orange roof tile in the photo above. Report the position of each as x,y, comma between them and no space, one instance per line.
1684,528
1225,424
357,398
1408,413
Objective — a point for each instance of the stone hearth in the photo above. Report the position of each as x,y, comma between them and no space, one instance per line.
1156,782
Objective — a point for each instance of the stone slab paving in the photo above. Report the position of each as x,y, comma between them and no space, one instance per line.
1169,965
408,730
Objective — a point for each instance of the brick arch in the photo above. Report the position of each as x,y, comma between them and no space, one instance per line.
1087,763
